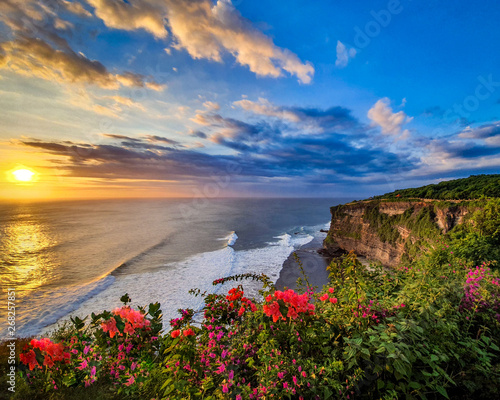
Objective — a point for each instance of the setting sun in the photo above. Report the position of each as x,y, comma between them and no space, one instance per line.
23,175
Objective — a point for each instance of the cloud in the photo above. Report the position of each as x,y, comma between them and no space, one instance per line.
132,15
35,57
206,31
197,133
154,138
344,55
114,136
482,132
261,149
211,106
264,107
126,101
311,119
391,123
76,8
37,47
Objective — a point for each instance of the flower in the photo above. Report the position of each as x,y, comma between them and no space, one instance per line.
29,358
331,290
175,333
333,300
130,381
324,297
188,332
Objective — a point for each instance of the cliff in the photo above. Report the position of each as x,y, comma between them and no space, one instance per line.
391,231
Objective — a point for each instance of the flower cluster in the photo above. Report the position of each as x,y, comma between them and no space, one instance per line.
52,353
291,303
326,297
133,320
477,298
117,348
186,317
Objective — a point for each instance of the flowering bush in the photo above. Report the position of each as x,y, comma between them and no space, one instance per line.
118,349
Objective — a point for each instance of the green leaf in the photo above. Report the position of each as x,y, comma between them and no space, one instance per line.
442,391
69,380
125,299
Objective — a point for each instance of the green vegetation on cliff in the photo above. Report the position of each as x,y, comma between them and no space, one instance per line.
473,187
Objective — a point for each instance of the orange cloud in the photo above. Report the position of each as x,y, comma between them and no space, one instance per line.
35,57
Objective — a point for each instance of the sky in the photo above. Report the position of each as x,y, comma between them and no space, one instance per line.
202,98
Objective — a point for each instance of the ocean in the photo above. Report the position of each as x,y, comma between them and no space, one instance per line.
78,257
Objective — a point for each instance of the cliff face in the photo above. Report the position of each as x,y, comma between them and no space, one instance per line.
389,231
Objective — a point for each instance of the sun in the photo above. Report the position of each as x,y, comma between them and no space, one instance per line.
23,175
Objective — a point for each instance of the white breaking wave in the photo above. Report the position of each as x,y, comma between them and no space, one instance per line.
231,238
57,304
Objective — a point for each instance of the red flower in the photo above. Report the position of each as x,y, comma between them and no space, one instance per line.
333,300
324,297
175,333
29,358
188,332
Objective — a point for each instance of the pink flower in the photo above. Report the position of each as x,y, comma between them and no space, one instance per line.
83,365
224,388
333,300
324,297
331,290
93,371
130,381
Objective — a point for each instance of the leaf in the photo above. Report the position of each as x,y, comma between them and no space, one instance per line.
125,299
415,385
442,391
69,380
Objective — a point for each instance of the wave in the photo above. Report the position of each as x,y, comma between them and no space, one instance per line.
57,303
124,265
231,238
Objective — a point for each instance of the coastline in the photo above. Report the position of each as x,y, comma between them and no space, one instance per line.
314,263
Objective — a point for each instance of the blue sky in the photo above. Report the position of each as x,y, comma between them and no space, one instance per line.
148,98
